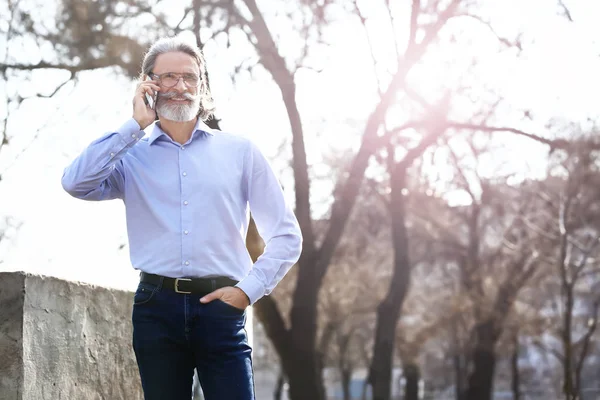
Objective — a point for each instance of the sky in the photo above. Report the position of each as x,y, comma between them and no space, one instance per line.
557,77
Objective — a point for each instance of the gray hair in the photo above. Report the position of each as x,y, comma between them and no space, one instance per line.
167,45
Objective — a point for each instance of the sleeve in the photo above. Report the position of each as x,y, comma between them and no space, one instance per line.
276,224
97,173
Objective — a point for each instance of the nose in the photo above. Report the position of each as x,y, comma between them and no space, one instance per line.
180,86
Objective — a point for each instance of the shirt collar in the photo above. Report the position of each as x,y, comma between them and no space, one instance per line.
158,132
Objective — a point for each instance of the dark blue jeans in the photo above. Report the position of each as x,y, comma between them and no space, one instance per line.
174,333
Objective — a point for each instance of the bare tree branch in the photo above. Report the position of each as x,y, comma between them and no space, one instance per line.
539,230
178,28
386,138
585,257
60,86
502,40
22,151
275,64
553,143
3,132
343,204
95,64
550,350
592,326
565,10
269,315
414,18
363,21
463,178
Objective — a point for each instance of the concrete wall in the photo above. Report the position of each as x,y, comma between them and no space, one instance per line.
71,341
12,289
65,340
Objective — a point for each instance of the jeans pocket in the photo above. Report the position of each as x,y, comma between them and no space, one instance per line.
228,308
144,293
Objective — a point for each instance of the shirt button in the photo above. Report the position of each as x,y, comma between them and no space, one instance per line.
112,154
186,232
185,203
182,147
187,263
184,174
133,135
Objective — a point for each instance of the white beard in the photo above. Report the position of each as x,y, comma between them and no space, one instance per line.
178,112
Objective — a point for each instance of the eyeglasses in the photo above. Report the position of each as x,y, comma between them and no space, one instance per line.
170,79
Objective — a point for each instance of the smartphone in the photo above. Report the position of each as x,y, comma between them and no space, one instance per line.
150,100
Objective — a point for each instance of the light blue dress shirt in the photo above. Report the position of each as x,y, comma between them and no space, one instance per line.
187,206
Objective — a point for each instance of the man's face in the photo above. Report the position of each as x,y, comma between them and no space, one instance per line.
181,102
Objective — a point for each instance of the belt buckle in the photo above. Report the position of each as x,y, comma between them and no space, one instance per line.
177,285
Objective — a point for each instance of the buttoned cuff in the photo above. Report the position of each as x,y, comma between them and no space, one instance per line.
130,132
252,287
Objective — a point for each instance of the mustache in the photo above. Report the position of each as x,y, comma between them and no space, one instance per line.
170,95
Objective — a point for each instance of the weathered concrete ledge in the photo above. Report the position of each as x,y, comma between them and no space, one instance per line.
65,340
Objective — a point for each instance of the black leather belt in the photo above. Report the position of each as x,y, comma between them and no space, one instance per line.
200,286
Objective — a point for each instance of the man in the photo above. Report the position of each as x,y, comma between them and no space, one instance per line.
188,191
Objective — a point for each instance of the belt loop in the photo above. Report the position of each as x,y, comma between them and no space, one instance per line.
213,282
160,283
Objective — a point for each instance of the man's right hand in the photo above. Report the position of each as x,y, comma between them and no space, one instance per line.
142,113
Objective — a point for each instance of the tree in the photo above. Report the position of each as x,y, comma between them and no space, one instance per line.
353,286
43,58
573,242
296,338
431,309
493,250
297,345
434,124
84,36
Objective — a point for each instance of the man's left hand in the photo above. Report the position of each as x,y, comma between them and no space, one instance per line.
231,295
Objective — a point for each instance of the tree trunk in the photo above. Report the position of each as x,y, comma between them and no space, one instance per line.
569,387
459,380
481,378
412,376
514,364
305,381
388,312
279,386
212,123
299,358
301,361
346,373
304,374
458,361
344,364
365,390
